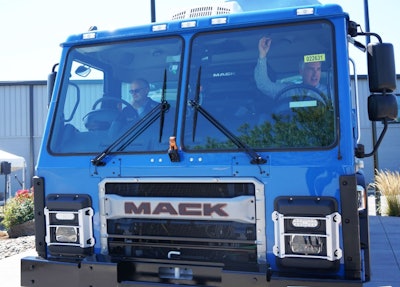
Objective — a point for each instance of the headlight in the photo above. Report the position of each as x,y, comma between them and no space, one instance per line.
66,234
308,245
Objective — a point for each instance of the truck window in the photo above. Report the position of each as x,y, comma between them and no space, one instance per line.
97,97
289,113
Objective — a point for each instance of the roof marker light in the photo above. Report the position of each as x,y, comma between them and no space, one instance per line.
90,35
305,11
188,24
160,27
218,21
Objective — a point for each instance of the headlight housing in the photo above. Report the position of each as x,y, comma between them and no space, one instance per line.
69,228
307,232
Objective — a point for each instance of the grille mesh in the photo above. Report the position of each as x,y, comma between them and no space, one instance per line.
197,240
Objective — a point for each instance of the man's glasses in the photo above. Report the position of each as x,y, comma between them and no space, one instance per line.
135,91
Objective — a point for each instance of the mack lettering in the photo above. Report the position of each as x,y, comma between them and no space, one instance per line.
180,209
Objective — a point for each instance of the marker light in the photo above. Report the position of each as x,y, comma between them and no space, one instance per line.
188,24
160,27
88,36
305,222
304,11
65,216
218,21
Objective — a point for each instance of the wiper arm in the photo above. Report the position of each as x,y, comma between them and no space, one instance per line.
130,135
196,100
162,111
255,157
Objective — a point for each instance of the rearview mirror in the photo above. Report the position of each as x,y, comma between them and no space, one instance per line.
83,71
382,107
381,68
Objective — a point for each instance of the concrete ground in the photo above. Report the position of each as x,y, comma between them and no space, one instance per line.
385,256
385,251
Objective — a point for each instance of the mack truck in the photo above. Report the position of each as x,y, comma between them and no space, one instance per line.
219,184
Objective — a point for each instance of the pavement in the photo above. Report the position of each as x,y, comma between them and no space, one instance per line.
384,251
385,256
10,269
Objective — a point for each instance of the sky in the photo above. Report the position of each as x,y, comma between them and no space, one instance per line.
32,30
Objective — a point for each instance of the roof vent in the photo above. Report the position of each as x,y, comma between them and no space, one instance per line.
208,10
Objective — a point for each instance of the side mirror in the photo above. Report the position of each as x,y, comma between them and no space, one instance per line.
50,83
381,107
381,68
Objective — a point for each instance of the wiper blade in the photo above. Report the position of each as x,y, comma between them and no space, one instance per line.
196,99
255,157
132,133
162,111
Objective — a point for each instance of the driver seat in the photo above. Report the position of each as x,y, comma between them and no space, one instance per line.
100,120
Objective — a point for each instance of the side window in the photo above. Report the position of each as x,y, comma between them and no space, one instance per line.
82,94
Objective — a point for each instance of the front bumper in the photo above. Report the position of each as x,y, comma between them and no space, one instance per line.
36,271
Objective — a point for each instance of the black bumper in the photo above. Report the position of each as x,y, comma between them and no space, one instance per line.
38,272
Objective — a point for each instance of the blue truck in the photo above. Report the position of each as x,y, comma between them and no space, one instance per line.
218,181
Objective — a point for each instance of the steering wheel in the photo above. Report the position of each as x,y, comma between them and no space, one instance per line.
101,119
307,91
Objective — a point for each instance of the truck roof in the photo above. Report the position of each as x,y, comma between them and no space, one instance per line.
180,26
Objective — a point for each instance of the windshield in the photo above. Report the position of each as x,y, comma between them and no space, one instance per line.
113,87
270,87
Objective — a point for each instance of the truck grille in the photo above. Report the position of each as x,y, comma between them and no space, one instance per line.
180,221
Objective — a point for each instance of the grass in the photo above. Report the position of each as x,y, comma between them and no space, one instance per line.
388,184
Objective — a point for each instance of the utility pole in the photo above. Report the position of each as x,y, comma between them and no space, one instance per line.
153,10
374,132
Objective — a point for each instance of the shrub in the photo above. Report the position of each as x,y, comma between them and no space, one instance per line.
388,184
19,209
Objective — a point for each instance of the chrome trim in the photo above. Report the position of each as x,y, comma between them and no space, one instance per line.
107,210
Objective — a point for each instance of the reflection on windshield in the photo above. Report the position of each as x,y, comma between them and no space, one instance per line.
110,89
271,88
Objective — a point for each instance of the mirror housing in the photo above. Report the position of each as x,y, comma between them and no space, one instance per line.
381,67
51,79
381,107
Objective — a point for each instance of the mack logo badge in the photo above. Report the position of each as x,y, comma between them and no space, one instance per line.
182,209
239,209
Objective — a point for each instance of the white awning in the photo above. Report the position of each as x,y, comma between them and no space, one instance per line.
17,162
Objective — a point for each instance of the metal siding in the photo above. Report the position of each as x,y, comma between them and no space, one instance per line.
40,105
14,106
15,129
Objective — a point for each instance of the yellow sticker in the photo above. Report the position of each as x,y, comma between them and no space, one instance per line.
314,58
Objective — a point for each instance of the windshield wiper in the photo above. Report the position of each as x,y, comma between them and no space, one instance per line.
132,133
137,129
255,157
163,100
196,100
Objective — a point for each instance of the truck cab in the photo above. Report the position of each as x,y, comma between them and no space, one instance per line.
220,183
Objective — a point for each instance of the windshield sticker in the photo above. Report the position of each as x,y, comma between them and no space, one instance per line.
314,58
